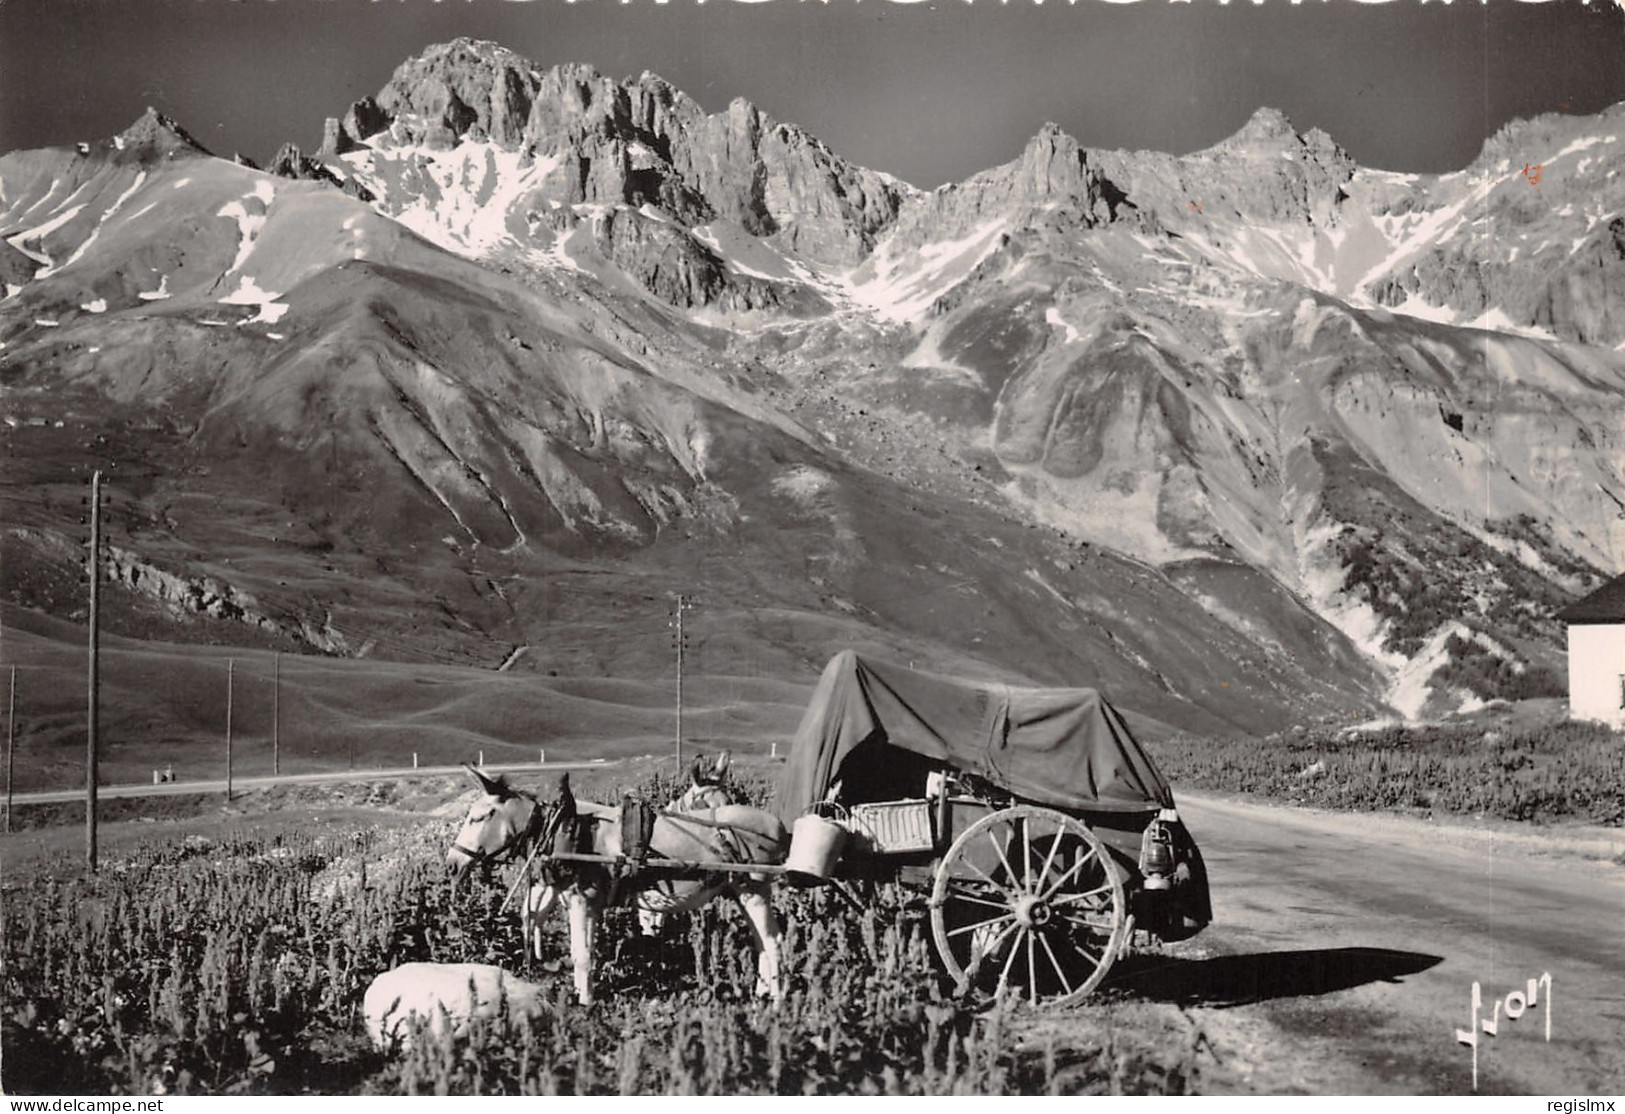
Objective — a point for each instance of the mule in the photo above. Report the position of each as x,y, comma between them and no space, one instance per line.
707,789
707,786
507,824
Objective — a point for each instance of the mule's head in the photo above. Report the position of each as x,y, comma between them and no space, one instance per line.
496,825
707,785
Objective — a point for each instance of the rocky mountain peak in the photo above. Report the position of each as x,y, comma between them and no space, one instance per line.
1270,132
1054,154
154,132
1054,167
1266,123
1266,171
637,142
1266,130
466,87
483,49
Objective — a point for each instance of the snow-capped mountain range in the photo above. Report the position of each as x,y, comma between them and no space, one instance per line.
1245,435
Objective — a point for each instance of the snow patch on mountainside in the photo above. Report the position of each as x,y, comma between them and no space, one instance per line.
1291,254
1414,232
248,293
1584,143
85,244
1053,318
35,234
249,224
1495,319
118,202
467,200
746,255
902,289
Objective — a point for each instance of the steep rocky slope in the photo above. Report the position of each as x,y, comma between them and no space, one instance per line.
1208,430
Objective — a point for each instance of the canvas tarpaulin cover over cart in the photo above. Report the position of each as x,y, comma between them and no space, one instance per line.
880,725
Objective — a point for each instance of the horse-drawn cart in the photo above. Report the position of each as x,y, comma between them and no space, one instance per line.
1041,830
1045,833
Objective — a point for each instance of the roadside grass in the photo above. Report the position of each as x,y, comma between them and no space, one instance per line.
1548,772
234,963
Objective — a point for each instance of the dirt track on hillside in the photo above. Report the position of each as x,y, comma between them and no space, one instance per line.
1345,947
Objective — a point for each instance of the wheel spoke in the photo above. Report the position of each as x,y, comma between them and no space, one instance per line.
1026,861
1056,963
1106,926
1094,960
1073,899
1072,872
1009,961
1009,870
1049,860
964,928
1032,969
977,899
1064,878
1001,887
978,956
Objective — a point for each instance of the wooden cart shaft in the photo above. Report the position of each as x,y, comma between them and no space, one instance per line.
633,865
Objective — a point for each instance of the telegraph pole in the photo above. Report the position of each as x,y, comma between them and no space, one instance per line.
683,604
93,724
276,715
11,741
231,676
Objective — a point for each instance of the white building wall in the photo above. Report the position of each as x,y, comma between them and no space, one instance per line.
1597,672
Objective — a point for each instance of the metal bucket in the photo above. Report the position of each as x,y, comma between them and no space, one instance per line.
815,847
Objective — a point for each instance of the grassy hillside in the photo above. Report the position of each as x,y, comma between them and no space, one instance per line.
164,704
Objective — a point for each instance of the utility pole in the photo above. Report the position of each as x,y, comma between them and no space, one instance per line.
11,741
231,677
93,718
681,643
276,715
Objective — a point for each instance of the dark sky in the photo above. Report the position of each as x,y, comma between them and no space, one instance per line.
930,91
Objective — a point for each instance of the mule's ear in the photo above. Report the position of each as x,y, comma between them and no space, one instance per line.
722,764
495,787
696,772
562,796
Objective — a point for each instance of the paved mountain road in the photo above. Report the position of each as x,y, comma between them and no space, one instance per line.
1345,947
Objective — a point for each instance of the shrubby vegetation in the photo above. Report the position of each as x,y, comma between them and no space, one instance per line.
238,967
1418,573
1489,676
1564,771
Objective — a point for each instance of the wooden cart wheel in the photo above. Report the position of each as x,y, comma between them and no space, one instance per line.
1028,899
